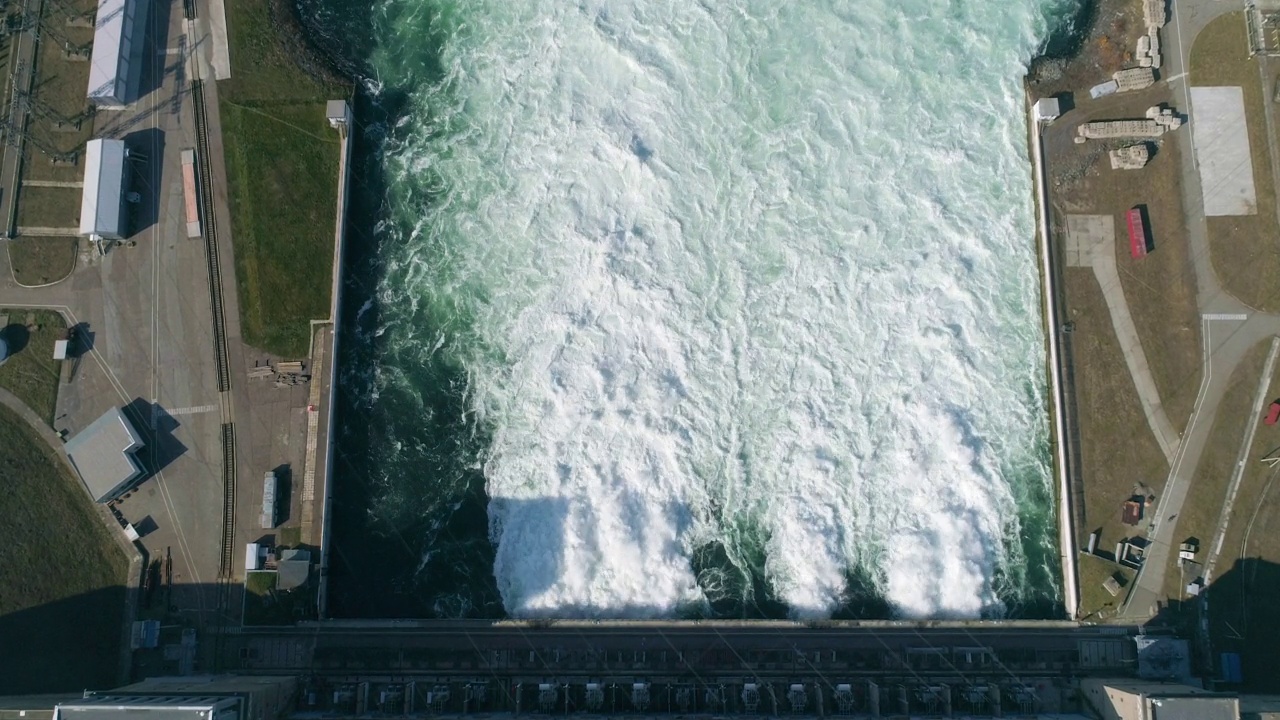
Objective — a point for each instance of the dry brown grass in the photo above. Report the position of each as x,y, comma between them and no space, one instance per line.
1160,288
1254,526
62,576
1244,597
1117,446
1095,602
42,260
1245,249
1199,515
48,207
31,373
59,93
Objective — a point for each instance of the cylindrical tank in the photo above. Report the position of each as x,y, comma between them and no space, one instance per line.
4,351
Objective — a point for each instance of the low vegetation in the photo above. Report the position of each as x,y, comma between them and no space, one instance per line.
61,574
264,604
41,260
1244,251
1245,594
1096,603
1208,491
1159,289
1117,446
282,173
31,373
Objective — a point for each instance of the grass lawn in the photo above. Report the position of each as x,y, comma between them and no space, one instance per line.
264,605
42,260
1117,446
31,373
290,537
1244,249
282,173
1096,604
61,575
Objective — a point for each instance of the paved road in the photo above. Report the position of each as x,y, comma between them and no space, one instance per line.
146,311
1229,327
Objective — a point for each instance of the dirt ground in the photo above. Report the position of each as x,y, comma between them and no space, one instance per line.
1117,446
1245,249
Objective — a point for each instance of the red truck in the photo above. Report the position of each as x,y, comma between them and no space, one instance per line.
1274,414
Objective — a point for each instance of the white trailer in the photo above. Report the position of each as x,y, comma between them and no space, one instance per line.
252,558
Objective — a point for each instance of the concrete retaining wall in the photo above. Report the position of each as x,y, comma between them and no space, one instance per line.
335,295
1053,326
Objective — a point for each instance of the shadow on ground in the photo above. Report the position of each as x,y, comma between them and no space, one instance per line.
15,337
155,426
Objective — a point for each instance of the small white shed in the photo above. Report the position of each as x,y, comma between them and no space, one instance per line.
252,558
1047,110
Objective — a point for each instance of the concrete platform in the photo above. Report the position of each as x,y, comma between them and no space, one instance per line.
1087,237
1222,151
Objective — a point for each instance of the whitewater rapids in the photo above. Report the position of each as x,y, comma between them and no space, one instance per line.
746,279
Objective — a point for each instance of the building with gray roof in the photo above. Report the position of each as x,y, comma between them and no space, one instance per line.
103,455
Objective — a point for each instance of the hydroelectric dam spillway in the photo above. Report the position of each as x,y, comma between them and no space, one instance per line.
767,668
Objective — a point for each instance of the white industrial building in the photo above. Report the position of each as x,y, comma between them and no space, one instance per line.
102,201
191,697
103,455
115,67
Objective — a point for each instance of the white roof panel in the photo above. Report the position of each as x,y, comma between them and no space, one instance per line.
100,203
108,64
103,454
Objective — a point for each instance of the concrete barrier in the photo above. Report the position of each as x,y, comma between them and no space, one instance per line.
1049,293
335,302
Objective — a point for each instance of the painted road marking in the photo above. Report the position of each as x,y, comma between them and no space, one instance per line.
157,412
1225,316
194,410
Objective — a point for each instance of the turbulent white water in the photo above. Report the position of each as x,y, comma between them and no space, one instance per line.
748,272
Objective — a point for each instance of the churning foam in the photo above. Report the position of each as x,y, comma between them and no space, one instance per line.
753,273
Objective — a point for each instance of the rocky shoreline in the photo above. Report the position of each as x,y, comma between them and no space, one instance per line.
1098,42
